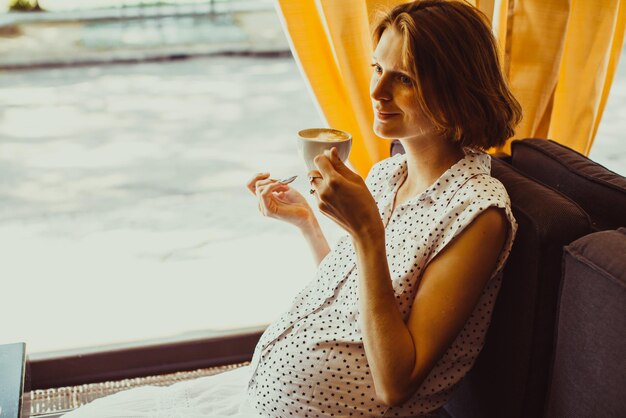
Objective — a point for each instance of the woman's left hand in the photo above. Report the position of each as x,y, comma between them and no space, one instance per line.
342,195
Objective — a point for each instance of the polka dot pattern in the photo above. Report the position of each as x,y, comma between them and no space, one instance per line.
311,361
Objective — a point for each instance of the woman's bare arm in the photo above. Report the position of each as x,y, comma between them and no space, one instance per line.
316,240
401,355
279,201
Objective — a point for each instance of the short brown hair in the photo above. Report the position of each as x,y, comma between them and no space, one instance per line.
453,55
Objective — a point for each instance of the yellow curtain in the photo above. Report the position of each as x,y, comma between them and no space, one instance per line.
531,36
560,57
590,56
547,46
331,43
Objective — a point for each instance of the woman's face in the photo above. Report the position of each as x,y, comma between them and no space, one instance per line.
396,113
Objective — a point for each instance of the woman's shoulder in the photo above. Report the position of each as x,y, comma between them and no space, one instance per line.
480,186
486,187
478,192
475,196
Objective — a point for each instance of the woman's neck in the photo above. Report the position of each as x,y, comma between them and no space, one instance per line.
427,161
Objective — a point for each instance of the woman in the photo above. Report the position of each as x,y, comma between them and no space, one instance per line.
398,310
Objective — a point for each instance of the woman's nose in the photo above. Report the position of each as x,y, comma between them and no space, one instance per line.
379,89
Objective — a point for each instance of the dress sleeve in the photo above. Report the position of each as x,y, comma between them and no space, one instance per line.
474,197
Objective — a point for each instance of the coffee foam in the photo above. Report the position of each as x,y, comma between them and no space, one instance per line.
325,135
329,136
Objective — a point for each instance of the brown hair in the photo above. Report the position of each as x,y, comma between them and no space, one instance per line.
449,48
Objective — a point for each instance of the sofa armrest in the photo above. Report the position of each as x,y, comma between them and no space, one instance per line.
588,378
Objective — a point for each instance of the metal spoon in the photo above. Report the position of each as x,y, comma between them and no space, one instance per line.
288,180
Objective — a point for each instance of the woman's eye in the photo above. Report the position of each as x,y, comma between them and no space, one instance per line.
405,80
377,68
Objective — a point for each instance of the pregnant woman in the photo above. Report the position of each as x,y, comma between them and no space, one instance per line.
398,310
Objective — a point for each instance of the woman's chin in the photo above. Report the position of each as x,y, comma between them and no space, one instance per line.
383,133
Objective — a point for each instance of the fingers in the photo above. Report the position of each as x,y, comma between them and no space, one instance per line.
262,184
265,190
325,206
252,183
314,174
320,191
322,161
330,178
329,164
338,164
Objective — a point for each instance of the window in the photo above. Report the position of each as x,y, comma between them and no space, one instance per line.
125,215
609,148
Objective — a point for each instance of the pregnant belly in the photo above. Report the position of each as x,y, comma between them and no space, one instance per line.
327,378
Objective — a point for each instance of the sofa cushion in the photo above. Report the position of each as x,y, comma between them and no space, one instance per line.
599,191
589,374
510,377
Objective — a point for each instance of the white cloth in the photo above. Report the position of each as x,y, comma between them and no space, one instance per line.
311,361
221,395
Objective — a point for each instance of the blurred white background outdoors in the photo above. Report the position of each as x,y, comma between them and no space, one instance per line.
124,211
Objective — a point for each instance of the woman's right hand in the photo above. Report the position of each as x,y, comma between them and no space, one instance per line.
279,201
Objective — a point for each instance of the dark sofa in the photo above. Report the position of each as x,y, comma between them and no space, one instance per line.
589,367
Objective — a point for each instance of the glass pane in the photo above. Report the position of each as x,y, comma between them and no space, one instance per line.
125,214
609,146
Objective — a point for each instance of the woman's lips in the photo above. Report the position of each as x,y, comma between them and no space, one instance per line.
385,116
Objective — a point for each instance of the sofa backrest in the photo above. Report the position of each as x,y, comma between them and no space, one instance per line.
510,377
598,190
589,374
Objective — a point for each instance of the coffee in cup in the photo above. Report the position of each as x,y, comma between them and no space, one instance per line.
314,141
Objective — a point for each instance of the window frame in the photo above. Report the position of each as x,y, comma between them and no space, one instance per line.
140,359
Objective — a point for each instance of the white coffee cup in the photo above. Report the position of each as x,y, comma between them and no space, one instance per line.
314,141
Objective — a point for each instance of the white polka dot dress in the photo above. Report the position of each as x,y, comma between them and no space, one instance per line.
311,361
